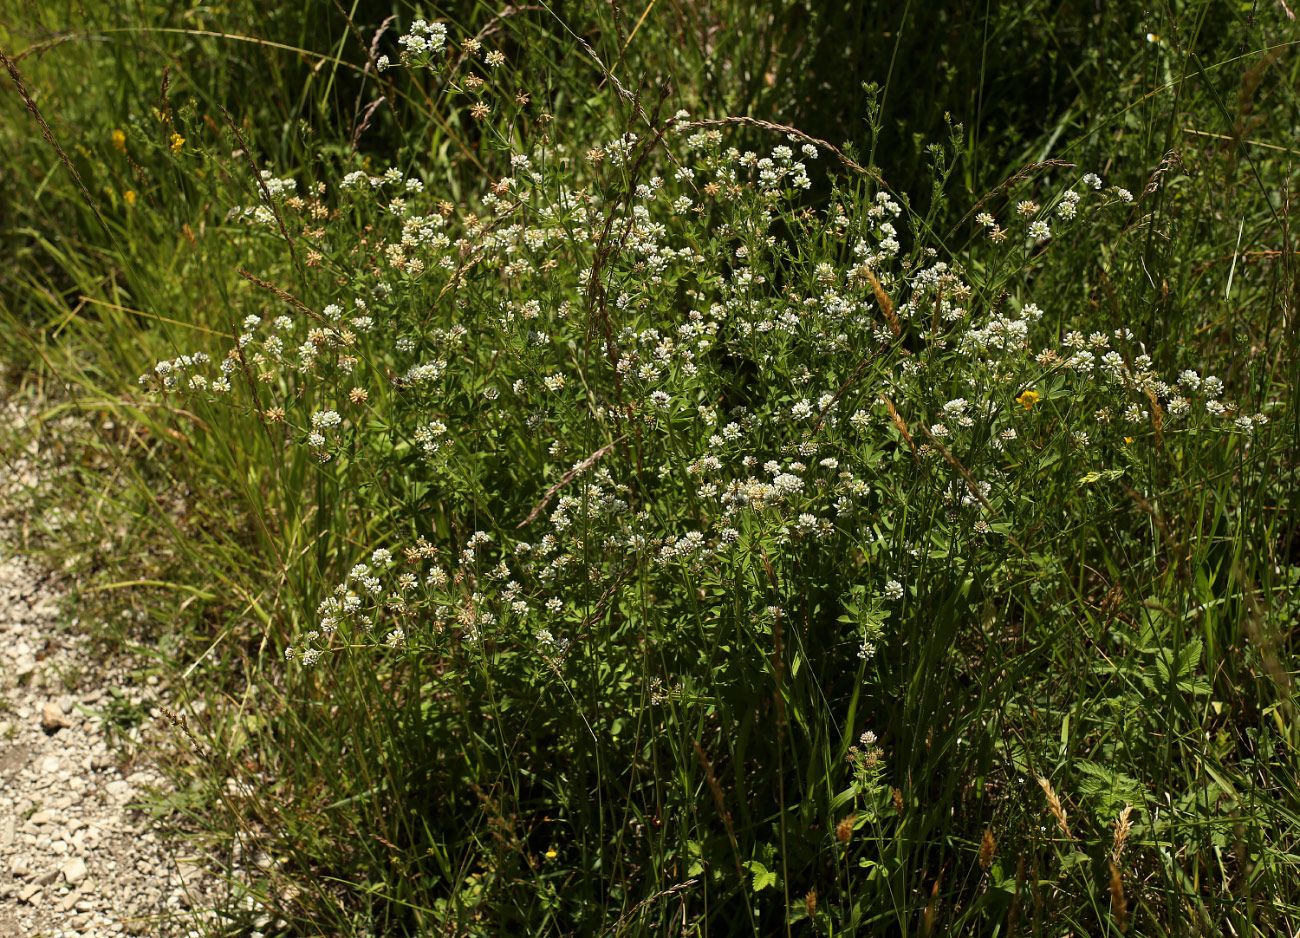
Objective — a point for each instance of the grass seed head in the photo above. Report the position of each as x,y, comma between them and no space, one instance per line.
1055,806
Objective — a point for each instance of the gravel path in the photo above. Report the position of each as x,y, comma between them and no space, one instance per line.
76,856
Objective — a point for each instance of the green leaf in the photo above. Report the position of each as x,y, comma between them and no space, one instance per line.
695,851
1179,670
1110,788
763,877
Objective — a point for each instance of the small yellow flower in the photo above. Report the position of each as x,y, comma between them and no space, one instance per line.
1128,440
119,140
1027,399
551,853
129,196
177,142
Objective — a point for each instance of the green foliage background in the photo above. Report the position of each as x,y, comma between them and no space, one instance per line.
1135,646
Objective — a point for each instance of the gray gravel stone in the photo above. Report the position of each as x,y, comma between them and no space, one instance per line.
53,718
74,871
29,893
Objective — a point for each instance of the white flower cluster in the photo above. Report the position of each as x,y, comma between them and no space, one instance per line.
278,187
1002,333
421,45
167,374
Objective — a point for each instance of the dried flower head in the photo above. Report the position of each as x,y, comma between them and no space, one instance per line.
844,829
988,849
1118,901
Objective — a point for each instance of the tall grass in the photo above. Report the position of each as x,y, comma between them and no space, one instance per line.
533,638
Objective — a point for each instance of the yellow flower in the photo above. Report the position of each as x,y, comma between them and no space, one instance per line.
129,196
119,140
177,142
551,853
1027,399
1128,440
